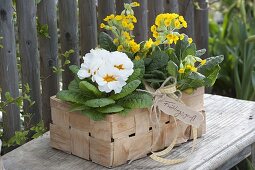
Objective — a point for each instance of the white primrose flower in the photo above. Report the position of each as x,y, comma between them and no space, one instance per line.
92,62
108,79
122,63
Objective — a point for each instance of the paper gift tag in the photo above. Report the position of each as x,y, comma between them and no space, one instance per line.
180,111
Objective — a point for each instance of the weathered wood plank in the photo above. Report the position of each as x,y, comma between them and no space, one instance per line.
141,27
68,35
201,25
28,47
171,6
48,56
105,8
229,132
8,69
120,5
88,25
186,9
155,7
253,154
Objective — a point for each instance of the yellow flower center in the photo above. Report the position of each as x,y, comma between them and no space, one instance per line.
120,67
109,78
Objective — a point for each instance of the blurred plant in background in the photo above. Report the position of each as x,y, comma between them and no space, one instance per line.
234,37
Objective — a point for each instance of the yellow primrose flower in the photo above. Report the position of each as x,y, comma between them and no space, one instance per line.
124,23
134,46
109,17
155,34
181,19
115,41
153,28
135,4
130,26
126,35
203,62
102,25
137,57
120,48
188,66
194,69
148,44
119,17
167,22
181,70
156,42
184,24
177,24
190,40
175,39
181,37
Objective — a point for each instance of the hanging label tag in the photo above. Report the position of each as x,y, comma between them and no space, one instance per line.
180,111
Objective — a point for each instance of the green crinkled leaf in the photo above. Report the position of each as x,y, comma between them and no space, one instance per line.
210,64
181,46
111,109
72,96
74,69
137,75
201,52
106,42
159,60
93,114
159,74
125,112
78,107
172,56
194,80
211,78
99,102
90,88
189,50
172,68
126,90
136,100
155,80
73,85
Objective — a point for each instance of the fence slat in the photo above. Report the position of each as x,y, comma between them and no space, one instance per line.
171,6
8,69
68,35
155,7
27,33
105,8
202,26
186,8
88,25
141,28
48,56
120,5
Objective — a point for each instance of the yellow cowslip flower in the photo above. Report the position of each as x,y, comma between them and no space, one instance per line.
120,48
102,25
134,46
203,62
181,70
170,38
124,23
153,28
132,17
109,17
116,41
174,15
155,34
119,17
157,42
175,39
188,66
126,35
193,69
181,19
190,40
167,22
177,24
148,44
184,24
181,36
137,57
135,4
130,26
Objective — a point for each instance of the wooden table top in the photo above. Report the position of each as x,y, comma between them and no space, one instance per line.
230,133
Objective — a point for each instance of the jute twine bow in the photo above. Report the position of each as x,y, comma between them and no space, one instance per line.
155,115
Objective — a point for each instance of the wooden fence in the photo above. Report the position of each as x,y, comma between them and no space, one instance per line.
77,22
